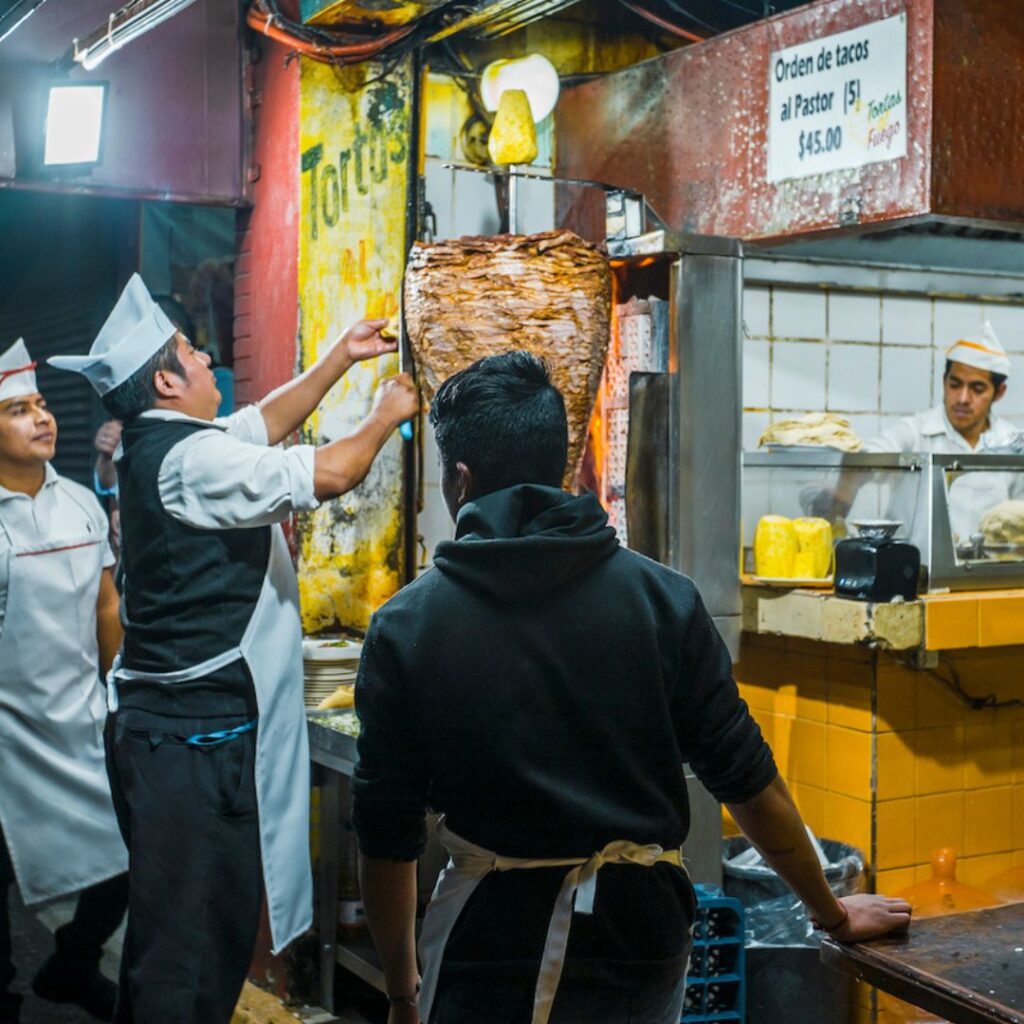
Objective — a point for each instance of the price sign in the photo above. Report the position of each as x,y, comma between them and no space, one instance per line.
838,102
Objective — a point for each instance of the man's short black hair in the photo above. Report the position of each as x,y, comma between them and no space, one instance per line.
138,393
998,379
504,419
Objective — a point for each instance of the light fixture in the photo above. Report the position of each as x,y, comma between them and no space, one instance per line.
124,26
74,124
535,75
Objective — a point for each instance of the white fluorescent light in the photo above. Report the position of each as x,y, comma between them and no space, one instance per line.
74,124
125,26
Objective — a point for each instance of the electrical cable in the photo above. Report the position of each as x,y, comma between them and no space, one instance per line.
954,685
265,16
690,16
741,7
664,25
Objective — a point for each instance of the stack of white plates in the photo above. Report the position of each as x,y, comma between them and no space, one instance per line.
328,664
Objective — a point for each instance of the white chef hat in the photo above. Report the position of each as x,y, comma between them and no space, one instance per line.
17,372
134,332
981,350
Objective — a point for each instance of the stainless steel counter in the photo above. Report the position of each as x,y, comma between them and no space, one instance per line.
333,754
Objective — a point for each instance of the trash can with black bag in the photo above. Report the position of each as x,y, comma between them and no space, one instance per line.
786,981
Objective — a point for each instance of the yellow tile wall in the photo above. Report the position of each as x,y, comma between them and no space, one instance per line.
888,758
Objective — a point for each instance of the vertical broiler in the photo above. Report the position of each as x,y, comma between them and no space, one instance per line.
645,345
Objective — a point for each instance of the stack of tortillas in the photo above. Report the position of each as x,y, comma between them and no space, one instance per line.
1004,524
822,429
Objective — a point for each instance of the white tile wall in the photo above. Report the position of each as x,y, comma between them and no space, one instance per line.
954,319
842,366
1011,404
798,375
754,425
1008,323
756,310
906,379
864,424
887,422
906,321
853,317
798,314
756,374
853,377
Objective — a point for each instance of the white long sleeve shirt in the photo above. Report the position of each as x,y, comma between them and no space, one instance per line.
228,476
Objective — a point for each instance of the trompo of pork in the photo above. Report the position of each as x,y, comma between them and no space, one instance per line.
549,294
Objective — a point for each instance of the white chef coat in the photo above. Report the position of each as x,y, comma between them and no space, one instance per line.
971,495
64,510
228,477
225,477
55,794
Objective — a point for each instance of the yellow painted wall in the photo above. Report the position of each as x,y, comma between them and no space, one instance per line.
354,141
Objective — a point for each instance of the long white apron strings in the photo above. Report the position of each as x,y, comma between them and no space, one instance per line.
470,864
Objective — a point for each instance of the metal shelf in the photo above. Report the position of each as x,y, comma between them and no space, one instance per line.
357,954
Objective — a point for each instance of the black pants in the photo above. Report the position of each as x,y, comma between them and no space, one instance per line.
190,819
79,942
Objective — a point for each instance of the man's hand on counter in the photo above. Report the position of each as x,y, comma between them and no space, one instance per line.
870,917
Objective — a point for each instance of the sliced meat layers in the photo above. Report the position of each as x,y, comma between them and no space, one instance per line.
549,294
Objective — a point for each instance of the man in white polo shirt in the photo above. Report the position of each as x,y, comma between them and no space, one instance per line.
59,630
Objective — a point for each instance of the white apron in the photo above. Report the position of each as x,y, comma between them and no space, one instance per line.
470,864
272,649
55,805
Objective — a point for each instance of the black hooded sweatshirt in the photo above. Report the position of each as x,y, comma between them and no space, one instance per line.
542,686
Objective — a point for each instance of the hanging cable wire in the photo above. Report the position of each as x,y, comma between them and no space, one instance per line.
265,16
953,684
690,16
664,25
741,7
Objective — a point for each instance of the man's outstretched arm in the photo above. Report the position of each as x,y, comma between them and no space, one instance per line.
772,823
286,408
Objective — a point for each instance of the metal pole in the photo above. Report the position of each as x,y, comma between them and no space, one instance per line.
513,200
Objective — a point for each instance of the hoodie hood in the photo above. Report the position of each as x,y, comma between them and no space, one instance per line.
526,540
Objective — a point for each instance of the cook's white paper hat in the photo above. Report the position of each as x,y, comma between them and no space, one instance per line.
134,332
17,372
981,350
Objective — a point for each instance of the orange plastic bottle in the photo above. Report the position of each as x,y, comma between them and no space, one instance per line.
942,893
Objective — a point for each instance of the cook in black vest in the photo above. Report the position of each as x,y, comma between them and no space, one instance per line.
206,740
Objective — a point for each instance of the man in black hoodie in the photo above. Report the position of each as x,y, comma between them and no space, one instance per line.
542,687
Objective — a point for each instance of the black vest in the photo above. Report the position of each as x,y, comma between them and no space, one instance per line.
188,593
